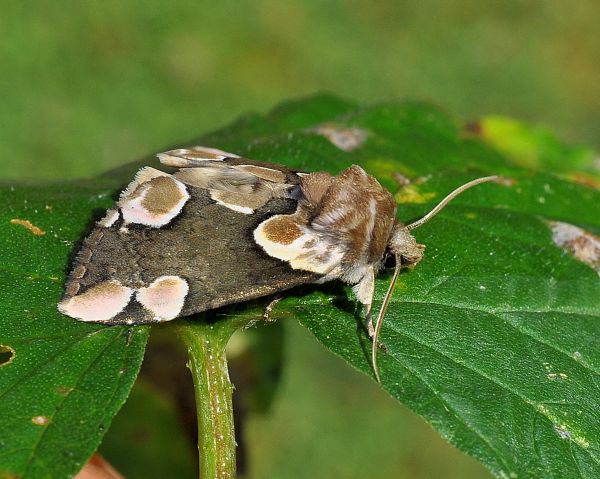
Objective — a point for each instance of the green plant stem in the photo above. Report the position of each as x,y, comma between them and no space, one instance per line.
208,364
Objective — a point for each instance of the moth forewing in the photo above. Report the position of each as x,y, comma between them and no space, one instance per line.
223,229
172,246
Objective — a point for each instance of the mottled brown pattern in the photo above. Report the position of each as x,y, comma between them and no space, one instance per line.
249,186
240,199
346,211
349,218
168,283
162,195
314,186
269,174
282,230
106,288
208,246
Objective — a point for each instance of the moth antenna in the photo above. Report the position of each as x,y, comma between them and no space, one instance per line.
449,198
381,315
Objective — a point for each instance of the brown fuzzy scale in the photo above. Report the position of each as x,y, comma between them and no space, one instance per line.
359,212
349,215
265,173
162,195
240,199
283,230
314,186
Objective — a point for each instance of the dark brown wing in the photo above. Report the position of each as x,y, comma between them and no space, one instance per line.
171,248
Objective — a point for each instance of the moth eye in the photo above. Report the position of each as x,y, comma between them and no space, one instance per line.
155,202
164,297
99,303
389,261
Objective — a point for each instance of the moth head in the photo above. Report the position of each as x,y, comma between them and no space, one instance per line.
403,245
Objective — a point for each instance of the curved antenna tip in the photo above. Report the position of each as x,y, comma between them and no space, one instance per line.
450,197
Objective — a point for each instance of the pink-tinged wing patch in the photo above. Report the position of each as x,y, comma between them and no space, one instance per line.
284,238
165,297
194,156
153,199
99,303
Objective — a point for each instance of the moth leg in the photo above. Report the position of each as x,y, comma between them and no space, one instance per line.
369,324
270,306
364,291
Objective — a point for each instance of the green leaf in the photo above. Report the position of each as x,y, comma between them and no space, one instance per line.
492,338
66,380
535,146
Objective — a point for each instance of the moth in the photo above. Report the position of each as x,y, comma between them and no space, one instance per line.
221,229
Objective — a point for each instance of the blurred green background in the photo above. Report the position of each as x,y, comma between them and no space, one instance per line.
87,85
90,85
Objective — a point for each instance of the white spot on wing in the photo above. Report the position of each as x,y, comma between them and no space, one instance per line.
142,176
134,210
320,256
99,303
164,297
109,219
239,208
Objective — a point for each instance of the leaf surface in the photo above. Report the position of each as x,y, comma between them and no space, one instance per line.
65,380
493,338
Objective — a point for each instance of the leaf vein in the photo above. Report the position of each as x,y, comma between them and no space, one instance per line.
62,402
